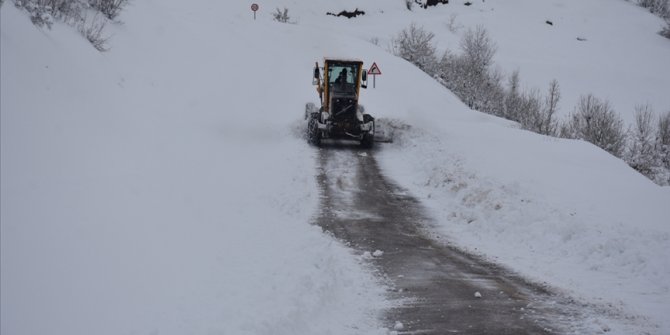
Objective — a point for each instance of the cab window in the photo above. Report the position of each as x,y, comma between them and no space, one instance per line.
342,75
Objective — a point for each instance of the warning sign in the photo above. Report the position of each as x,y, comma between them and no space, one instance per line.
374,70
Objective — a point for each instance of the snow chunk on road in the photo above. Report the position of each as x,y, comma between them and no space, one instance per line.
369,255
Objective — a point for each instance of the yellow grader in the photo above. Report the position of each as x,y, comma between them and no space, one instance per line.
340,115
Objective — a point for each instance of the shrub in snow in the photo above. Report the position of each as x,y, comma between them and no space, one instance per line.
415,45
40,13
512,101
537,114
492,100
595,121
478,48
666,31
473,67
471,78
529,111
43,10
664,131
549,126
642,154
658,7
93,31
281,15
469,75
110,8
663,142
75,13
478,51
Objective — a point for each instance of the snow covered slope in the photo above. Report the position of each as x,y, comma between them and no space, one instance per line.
623,58
161,186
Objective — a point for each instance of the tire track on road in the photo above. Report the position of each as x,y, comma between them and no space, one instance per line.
436,283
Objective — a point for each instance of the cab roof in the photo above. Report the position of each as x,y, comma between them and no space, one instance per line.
338,59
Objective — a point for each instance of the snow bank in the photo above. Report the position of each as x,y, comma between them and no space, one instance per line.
557,211
560,211
159,188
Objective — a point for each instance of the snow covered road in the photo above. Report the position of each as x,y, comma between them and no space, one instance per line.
439,289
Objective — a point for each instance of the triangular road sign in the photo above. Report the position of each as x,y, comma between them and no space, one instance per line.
374,69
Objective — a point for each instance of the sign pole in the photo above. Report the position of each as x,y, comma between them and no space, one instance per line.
374,71
254,8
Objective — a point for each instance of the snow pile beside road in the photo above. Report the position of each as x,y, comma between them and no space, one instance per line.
561,212
149,190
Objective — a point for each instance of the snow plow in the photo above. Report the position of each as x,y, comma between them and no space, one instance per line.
340,115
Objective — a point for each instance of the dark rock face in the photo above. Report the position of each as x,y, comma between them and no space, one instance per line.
348,14
430,3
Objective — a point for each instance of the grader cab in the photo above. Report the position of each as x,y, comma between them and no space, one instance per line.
340,115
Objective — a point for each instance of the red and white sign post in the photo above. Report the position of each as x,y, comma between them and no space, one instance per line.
254,8
374,71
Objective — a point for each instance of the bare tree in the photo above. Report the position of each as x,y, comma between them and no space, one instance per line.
74,13
659,7
478,51
666,30
549,125
110,8
513,98
93,30
664,138
281,15
595,121
642,154
478,48
415,45
493,101
530,111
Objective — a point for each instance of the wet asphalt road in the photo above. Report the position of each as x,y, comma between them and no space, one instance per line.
434,283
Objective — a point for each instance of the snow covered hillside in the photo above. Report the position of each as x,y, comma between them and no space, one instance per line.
621,57
159,187
162,187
